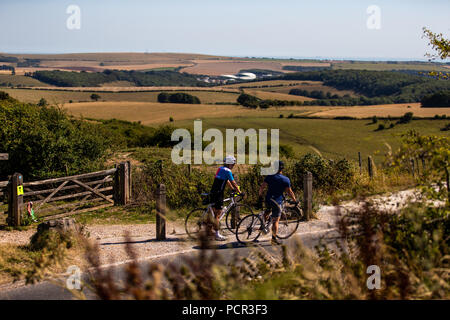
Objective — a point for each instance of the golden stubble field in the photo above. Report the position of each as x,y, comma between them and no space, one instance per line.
393,110
64,96
150,113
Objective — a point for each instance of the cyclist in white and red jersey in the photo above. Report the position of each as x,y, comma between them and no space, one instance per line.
223,177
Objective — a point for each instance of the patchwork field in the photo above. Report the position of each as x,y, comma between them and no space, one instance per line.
284,86
18,80
385,66
331,138
150,113
393,110
275,95
64,96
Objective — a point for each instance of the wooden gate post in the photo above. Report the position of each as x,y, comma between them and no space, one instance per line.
130,184
15,200
161,212
307,195
370,166
122,186
360,162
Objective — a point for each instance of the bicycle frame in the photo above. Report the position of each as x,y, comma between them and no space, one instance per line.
233,203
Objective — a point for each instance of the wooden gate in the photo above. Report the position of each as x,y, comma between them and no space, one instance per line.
66,196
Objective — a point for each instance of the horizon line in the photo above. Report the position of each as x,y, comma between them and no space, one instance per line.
281,57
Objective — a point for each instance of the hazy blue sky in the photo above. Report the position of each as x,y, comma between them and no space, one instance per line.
302,28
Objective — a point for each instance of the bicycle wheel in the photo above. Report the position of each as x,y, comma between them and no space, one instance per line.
249,229
289,221
196,220
243,210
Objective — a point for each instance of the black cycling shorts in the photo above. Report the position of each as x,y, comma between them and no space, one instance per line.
217,200
275,207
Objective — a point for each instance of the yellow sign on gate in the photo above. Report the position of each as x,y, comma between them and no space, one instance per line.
20,190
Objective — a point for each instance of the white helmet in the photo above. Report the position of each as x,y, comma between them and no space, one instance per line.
229,160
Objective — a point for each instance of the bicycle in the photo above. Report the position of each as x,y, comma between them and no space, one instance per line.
250,228
202,217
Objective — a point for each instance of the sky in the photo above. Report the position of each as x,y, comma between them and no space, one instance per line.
253,28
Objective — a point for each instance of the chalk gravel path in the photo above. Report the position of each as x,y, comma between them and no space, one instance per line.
112,243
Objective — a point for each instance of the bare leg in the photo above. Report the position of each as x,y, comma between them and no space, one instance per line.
217,213
275,226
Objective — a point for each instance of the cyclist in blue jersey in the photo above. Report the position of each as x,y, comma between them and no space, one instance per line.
277,185
223,177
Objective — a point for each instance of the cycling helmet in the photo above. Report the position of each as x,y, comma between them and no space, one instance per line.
229,160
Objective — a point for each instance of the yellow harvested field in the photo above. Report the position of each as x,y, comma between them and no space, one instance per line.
60,96
393,110
153,113
275,95
133,89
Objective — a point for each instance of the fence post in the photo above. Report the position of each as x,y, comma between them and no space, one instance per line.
122,184
161,212
15,200
189,169
307,195
130,184
413,169
360,162
370,166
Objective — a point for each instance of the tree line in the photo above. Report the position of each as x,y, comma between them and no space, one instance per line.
377,87
95,79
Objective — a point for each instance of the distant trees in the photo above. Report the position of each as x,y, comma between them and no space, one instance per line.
42,102
4,95
95,96
248,101
8,59
376,87
406,118
178,97
95,79
437,100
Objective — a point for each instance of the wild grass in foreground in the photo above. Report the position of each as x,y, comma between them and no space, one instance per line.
411,250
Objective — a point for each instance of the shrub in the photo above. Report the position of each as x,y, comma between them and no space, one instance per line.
328,175
406,118
4,95
374,119
381,127
163,97
183,191
95,96
42,102
178,97
248,101
45,142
